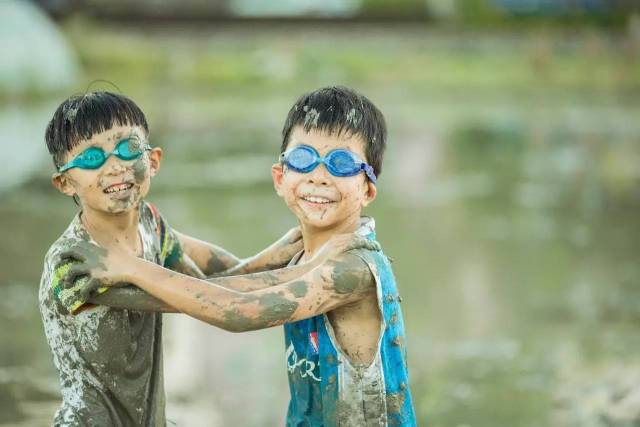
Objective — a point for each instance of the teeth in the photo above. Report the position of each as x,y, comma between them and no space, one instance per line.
316,199
119,187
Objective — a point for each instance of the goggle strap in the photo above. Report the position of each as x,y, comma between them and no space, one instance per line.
368,170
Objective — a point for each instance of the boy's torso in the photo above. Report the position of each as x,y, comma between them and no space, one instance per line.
109,360
328,385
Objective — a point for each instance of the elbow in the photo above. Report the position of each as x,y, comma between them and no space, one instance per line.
231,327
235,322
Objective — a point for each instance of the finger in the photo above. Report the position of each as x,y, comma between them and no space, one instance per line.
356,242
372,245
363,243
295,235
74,273
71,255
89,288
117,284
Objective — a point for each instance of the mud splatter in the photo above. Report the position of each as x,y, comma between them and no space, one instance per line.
215,264
275,309
394,319
345,277
298,289
312,116
397,341
140,170
352,117
70,113
395,402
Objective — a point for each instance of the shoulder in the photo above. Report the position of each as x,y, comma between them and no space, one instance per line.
73,234
352,272
54,266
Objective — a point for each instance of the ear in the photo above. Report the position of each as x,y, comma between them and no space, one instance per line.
62,183
277,174
155,158
371,193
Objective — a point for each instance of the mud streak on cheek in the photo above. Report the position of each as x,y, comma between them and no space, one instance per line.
139,170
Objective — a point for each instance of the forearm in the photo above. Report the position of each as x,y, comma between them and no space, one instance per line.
217,305
216,261
186,265
131,298
209,258
256,281
263,261
195,297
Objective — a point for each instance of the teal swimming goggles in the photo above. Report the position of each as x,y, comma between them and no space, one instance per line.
339,162
94,157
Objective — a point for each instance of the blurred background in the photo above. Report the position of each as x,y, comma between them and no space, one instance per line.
509,198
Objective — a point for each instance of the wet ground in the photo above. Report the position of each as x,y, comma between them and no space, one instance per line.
509,201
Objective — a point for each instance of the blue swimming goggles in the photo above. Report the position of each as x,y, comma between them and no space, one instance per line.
94,157
339,162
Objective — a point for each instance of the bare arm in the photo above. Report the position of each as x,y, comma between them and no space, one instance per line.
216,261
113,268
133,298
335,283
209,258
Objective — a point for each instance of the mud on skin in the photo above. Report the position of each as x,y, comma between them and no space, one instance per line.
274,309
88,256
348,275
140,170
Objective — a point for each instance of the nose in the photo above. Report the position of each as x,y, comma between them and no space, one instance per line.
114,166
319,176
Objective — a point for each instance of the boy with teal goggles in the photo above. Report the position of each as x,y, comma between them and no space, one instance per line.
127,149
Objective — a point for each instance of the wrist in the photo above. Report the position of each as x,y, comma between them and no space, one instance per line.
126,270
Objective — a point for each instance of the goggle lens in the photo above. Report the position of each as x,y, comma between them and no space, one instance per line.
92,158
302,159
342,163
128,149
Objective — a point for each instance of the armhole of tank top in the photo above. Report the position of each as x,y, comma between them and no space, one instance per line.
329,327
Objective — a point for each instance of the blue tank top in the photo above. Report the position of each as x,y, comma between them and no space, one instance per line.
326,388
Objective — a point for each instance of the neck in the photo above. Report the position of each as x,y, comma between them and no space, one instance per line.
314,237
112,230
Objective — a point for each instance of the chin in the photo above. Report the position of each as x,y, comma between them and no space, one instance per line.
320,223
121,206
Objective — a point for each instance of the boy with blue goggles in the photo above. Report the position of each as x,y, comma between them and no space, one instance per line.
339,162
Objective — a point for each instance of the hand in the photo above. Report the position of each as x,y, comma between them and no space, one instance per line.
101,267
281,252
343,243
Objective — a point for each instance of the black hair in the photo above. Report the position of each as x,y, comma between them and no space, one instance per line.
338,109
79,117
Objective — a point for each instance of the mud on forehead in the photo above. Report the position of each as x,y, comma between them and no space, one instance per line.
342,133
331,118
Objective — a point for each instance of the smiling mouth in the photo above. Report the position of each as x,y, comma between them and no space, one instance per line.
317,200
117,188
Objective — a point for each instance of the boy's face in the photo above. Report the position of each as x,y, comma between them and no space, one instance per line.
317,198
118,185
